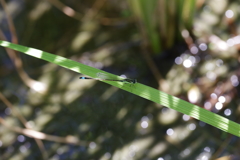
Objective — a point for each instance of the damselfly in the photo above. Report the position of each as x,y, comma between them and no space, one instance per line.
104,77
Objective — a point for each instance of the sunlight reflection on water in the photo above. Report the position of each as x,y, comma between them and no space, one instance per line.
144,124
218,105
207,105
92,145
192,126
203,47
228,112
234,80
21,138
170,132
186,117
229,14
194,50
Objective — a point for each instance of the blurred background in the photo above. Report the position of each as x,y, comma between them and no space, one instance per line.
186,48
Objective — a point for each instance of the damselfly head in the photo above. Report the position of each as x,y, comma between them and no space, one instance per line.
134,81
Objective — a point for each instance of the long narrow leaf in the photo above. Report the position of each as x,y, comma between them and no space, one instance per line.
139,90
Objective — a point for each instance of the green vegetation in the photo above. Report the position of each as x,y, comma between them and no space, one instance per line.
138,89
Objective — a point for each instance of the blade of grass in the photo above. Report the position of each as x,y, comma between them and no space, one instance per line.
139,89
171,22
188,13
145,12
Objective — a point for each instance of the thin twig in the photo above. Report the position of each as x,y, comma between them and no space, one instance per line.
66,9
24,122
14,56
40,135
10,23
92,12
13,109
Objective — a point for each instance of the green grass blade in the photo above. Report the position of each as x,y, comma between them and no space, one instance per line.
139,89
145,12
